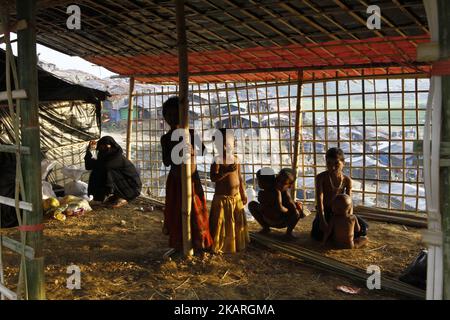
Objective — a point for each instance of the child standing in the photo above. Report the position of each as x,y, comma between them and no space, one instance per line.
228,223
201,237
329,184
344,226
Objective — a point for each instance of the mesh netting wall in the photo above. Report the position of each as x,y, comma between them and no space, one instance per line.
377,123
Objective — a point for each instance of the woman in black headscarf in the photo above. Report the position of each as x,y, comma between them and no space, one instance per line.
114,179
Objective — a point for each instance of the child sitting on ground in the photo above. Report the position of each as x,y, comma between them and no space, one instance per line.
228,223
276,208
344,226
328,185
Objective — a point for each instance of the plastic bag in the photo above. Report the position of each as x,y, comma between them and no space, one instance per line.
251,196
46,167
73,172
416,273
47,190
76,187
75,206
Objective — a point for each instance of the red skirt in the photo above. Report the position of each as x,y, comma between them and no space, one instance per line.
201,237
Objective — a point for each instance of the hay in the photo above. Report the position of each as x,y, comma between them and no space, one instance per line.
127,263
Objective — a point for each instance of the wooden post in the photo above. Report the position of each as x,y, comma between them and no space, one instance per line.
130,117
183,75
298,127
444,44
31,164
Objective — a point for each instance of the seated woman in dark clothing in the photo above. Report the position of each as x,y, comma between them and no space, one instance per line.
114,179
8,216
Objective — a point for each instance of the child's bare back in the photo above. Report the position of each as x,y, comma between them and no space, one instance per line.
271,204
344,230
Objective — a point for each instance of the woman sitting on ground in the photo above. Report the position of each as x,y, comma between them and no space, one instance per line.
114,179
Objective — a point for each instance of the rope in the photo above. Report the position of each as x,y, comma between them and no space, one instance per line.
22,286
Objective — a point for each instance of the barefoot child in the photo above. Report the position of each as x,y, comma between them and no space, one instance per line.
329,184
201,238
276,208
228,223
344,226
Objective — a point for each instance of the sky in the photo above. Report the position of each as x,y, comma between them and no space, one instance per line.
63,61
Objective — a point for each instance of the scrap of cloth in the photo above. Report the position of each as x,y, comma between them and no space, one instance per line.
7,188
112,173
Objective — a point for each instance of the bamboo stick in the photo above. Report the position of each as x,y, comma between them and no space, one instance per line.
298,127
130,117
10,295
13,149
266,70
11,202
17,247
444,44
337,267
27,62
16,94
186,184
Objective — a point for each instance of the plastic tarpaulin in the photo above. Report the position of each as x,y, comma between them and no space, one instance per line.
61,124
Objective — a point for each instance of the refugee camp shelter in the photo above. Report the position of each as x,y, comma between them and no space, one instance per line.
340,70
68,118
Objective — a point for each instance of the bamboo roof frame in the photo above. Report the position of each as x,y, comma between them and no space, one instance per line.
230,40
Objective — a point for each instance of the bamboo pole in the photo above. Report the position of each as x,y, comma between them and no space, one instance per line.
130,117
183,75
310,257
444,44
298,125
31,164
271,70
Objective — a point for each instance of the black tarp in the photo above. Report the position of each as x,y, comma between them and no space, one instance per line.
51,88
8,216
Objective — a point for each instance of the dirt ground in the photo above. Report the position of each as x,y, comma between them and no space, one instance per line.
120,254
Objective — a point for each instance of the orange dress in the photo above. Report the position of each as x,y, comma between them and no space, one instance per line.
201,237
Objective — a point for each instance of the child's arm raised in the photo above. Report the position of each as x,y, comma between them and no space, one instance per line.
89,162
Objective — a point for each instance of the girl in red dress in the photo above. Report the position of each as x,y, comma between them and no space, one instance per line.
201,237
